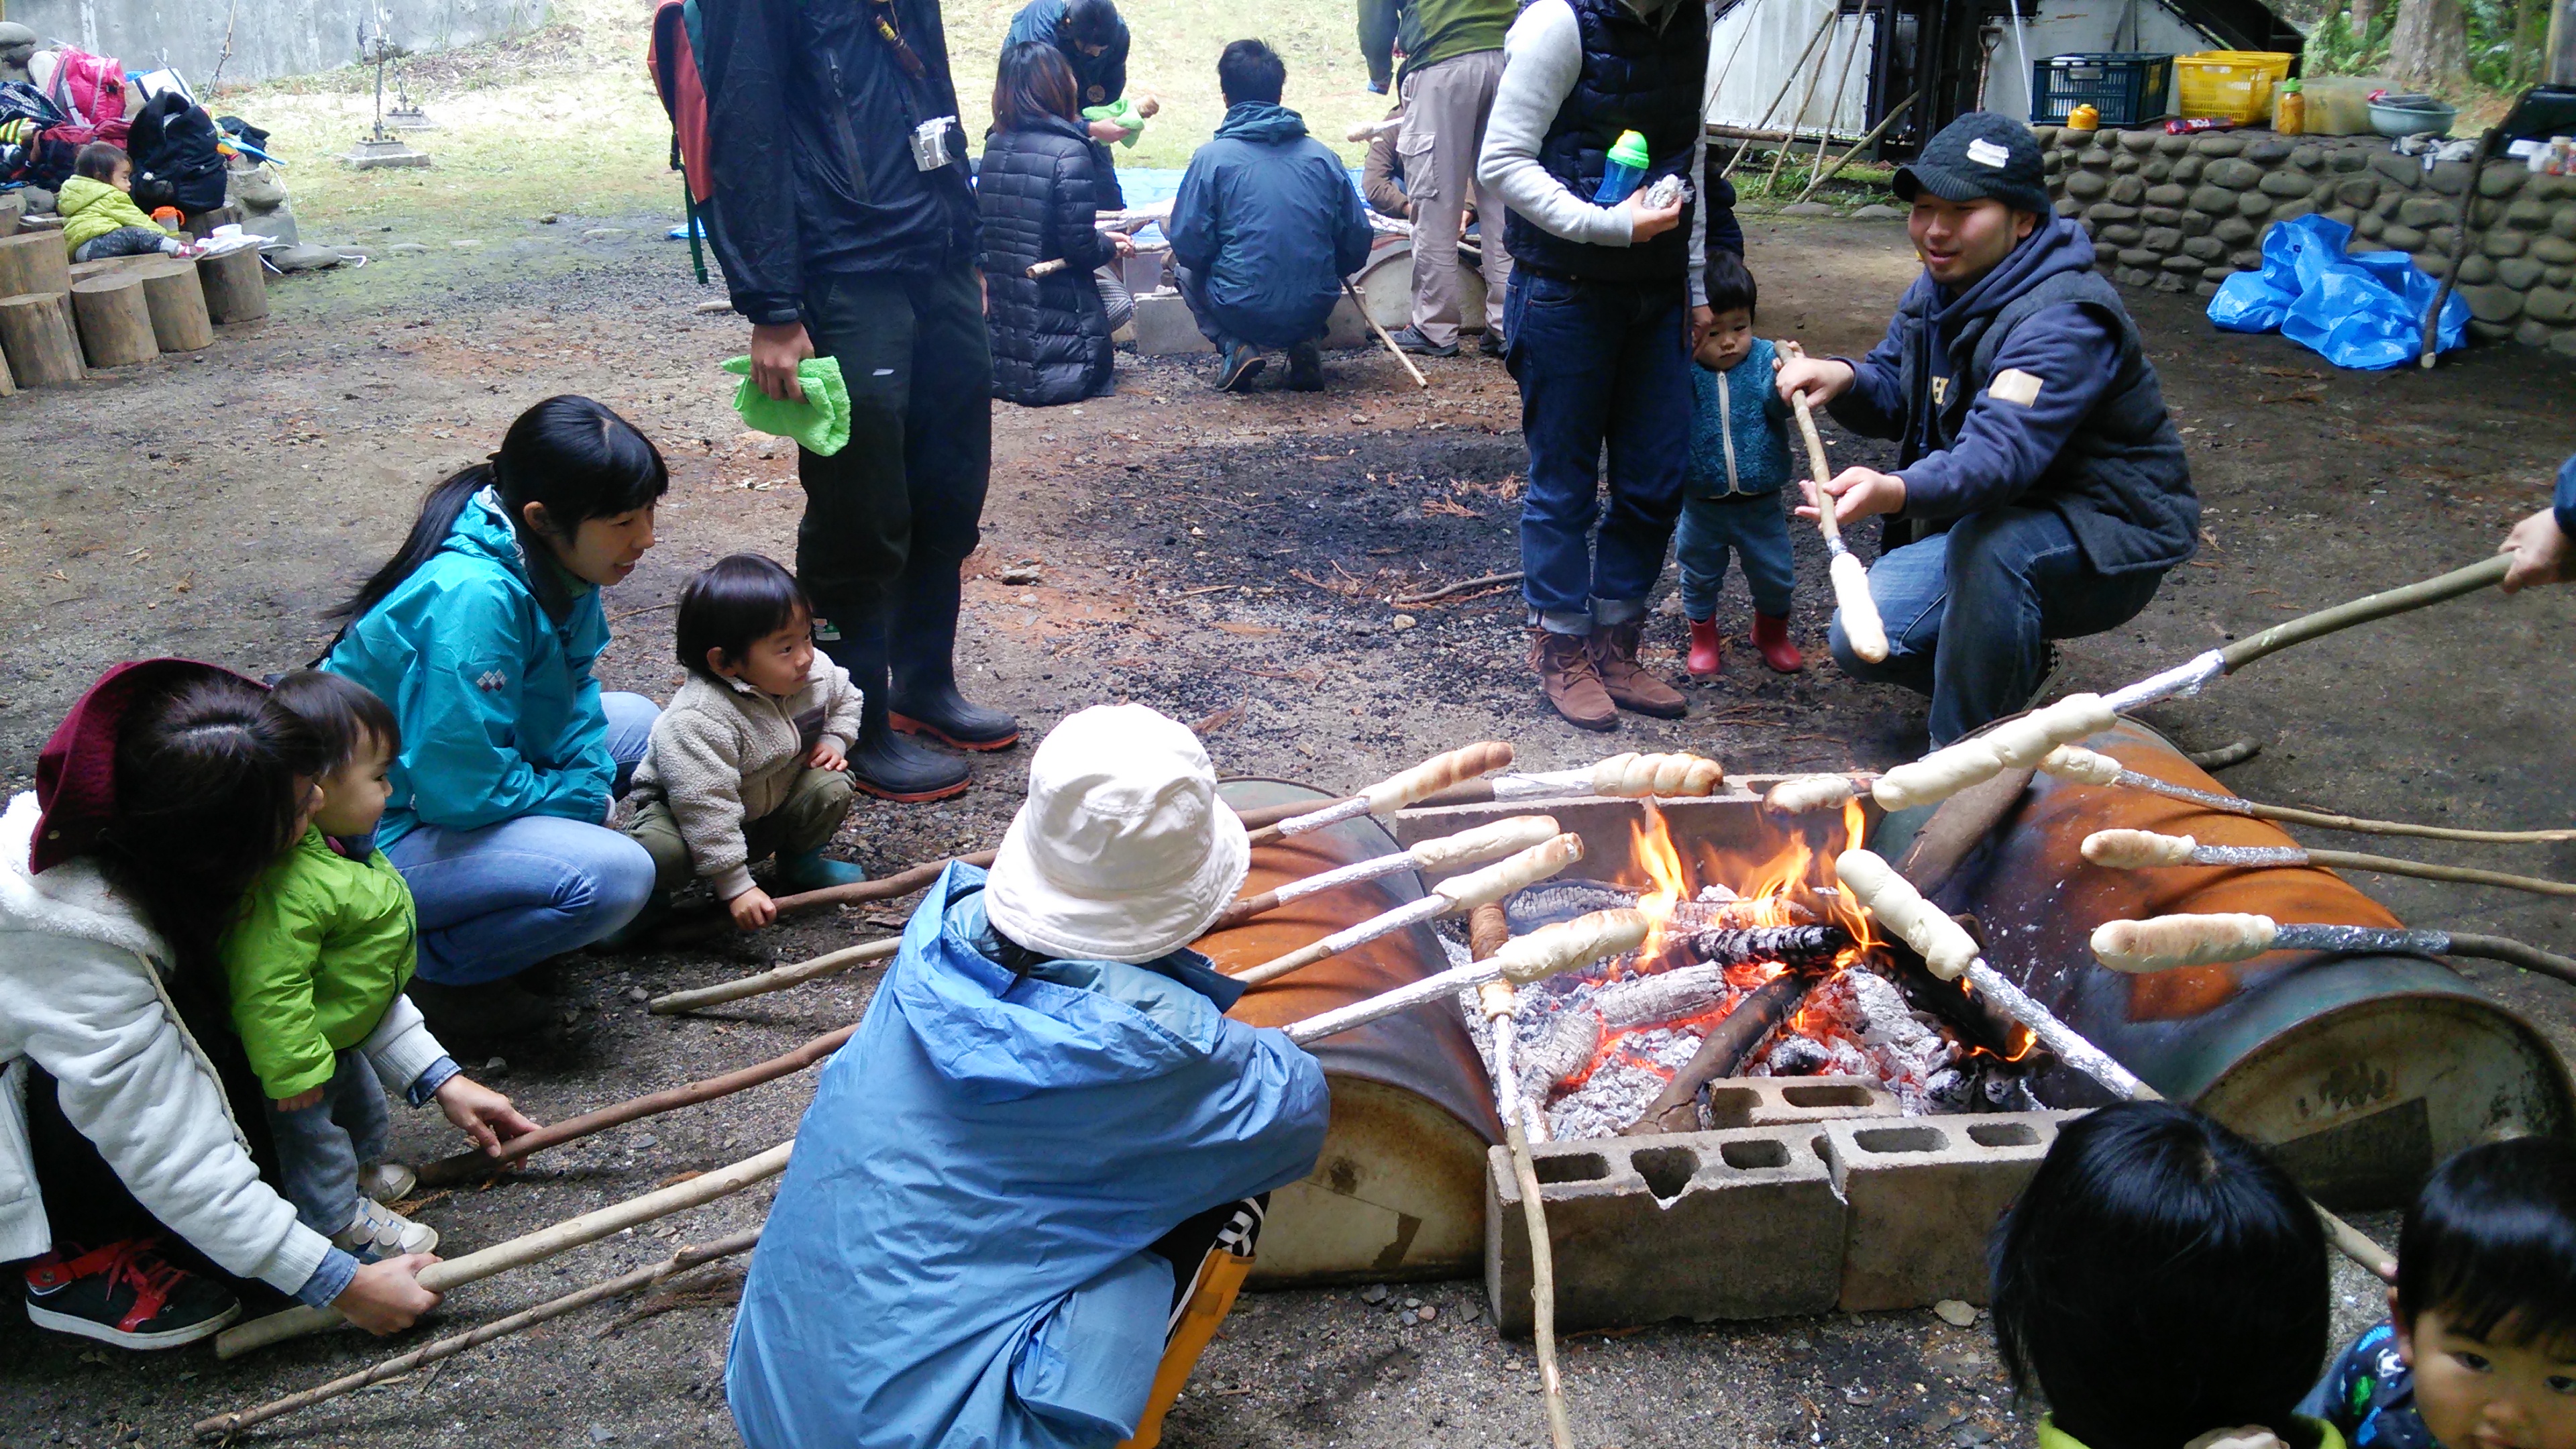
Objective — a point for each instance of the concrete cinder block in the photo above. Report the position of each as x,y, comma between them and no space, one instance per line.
1697,1225
1164,327
1922,1195
1789,1101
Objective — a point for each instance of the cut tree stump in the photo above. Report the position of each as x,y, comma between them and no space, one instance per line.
36,336
236,286
83,271
34,261
115,320
177,298
8,384
12,206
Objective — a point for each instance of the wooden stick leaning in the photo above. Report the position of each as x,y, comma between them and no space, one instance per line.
1845,159
1951,953
590,1227
1354,294
1780,158
1458,893
1861,624
222,1425
2164,943
2147,849
2091,767
1795,67
1500,1005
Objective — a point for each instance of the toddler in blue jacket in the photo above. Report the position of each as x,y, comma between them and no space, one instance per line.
1739,461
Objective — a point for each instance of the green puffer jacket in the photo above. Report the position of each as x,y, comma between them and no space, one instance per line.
92,209
323,948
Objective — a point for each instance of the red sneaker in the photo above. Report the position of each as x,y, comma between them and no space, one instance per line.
1771,636
1707,651
126,1295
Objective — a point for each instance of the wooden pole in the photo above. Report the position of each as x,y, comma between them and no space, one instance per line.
225,1425
1780,158
34,261
1832,12
1353,293
36,336
529,1248
1863,144
177,299
778,979
236,286
1834,108
1861,624
115,320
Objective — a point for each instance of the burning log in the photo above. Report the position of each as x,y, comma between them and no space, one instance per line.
1724,1049
1807,946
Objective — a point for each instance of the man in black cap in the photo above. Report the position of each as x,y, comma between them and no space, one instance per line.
2037,453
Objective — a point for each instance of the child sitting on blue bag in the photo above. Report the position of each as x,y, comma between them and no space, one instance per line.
1739,461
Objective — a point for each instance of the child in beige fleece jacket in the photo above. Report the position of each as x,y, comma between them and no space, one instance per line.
750,759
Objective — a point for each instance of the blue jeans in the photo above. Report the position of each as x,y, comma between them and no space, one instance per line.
1598,363
319,1148
1969,613
1756,527
495,901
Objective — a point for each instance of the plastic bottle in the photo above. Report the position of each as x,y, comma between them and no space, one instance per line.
2291,118
1625,168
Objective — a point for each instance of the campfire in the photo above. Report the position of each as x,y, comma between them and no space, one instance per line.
1765,959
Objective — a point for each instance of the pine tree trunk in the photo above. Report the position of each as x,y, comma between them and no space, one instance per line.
2429,49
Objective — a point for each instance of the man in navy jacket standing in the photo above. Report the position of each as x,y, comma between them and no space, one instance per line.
846,226
2037,452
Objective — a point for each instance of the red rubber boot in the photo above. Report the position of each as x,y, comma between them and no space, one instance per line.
1771,636
1707,651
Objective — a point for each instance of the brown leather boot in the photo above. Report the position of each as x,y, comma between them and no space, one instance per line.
1572,685
1614,654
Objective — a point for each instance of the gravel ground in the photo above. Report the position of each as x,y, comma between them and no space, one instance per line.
1222,557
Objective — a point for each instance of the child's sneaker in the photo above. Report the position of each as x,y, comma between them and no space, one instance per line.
126,1295
386,1181
378,1232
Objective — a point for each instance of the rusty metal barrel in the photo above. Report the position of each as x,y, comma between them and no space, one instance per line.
2361,1070
1399,1190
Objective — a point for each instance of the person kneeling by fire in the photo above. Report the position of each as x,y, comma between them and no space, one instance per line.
1028,1188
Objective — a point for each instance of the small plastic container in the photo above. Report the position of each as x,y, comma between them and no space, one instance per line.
2232,84
1625,168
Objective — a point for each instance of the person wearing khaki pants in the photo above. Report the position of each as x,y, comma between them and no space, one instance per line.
1448,90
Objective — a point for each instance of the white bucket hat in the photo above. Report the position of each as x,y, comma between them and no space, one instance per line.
1122,852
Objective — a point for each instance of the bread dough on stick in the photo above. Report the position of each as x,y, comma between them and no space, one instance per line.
1575,943
2138,849
1476,888
2083,766
1634,776
1810,792
1435,775
2162,943
1943,944
2011,745
1470,847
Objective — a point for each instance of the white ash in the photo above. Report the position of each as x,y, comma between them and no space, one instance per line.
1870,1032
1619,1091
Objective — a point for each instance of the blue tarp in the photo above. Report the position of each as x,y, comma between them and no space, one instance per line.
2362,311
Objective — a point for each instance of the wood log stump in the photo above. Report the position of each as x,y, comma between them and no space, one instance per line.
83,271
177,299
36,336
236,286
115,319
34,261
8,384
12,206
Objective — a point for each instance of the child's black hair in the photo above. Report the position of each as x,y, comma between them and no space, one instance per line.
345,713
1249,71
2158,1278
2490,1243
1730,282
732,604
99,159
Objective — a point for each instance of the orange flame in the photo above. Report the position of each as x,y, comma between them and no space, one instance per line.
1651,846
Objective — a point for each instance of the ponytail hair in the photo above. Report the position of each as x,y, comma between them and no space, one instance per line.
575,456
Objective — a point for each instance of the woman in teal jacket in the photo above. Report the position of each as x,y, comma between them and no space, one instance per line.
480,633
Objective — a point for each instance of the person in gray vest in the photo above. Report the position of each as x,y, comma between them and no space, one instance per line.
2037,455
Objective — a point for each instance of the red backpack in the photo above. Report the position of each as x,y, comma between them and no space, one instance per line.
681,80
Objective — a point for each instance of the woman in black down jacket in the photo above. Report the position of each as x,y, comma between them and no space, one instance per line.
1041,186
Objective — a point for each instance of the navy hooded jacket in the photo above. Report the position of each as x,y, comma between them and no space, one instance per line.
1268,219
2031,388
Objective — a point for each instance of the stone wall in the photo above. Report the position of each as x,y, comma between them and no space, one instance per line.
2182,213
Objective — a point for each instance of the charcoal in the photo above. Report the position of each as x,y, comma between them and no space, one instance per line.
1791,945
1550,902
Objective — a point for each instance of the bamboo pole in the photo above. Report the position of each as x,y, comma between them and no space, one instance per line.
1834,108
1832,13
1859,146
1780,158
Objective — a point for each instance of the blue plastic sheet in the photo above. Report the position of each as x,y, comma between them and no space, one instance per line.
2362,311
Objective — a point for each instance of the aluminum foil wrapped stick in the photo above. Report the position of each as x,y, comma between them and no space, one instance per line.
2087,767
1789,945
1448,852
2145,849
1534,957
1625,777
2165,943
1458,893
1397,791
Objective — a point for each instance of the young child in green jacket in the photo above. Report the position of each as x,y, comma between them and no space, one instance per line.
316,966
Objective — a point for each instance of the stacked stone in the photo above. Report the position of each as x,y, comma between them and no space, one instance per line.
2182,213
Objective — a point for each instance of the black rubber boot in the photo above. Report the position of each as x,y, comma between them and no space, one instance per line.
882,762
923,651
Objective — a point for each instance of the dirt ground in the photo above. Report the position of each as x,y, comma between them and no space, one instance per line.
1211,556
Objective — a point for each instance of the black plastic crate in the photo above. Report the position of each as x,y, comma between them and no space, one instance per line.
2129,89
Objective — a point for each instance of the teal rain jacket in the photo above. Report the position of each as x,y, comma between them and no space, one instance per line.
957,1254
500,716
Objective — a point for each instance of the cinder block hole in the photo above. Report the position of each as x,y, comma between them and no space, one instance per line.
1758,1153
2003,1134
1572,1167
1826,1096
1667,1170
1732,1104
1901,1139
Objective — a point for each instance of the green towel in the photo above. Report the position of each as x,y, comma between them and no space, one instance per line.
821,422
1123,111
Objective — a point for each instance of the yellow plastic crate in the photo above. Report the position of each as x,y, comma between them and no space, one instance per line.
2233,84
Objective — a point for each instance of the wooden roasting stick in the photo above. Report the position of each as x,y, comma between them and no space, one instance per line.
1394,793
1490,931
590,1227
2146,849
223,1425
1620,777
1861,624
2163,943
2023,742
1457,893
1951,953
1354,294
2091,767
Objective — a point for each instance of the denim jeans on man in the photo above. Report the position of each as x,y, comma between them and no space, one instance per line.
320,1148
495,901
1970,611
1599,363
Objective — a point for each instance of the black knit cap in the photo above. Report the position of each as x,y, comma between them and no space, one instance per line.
1980,154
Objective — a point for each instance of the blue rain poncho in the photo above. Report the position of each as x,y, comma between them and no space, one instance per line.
2362,310
958,1252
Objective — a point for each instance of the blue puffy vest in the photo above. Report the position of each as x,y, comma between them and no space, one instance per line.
1638,75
